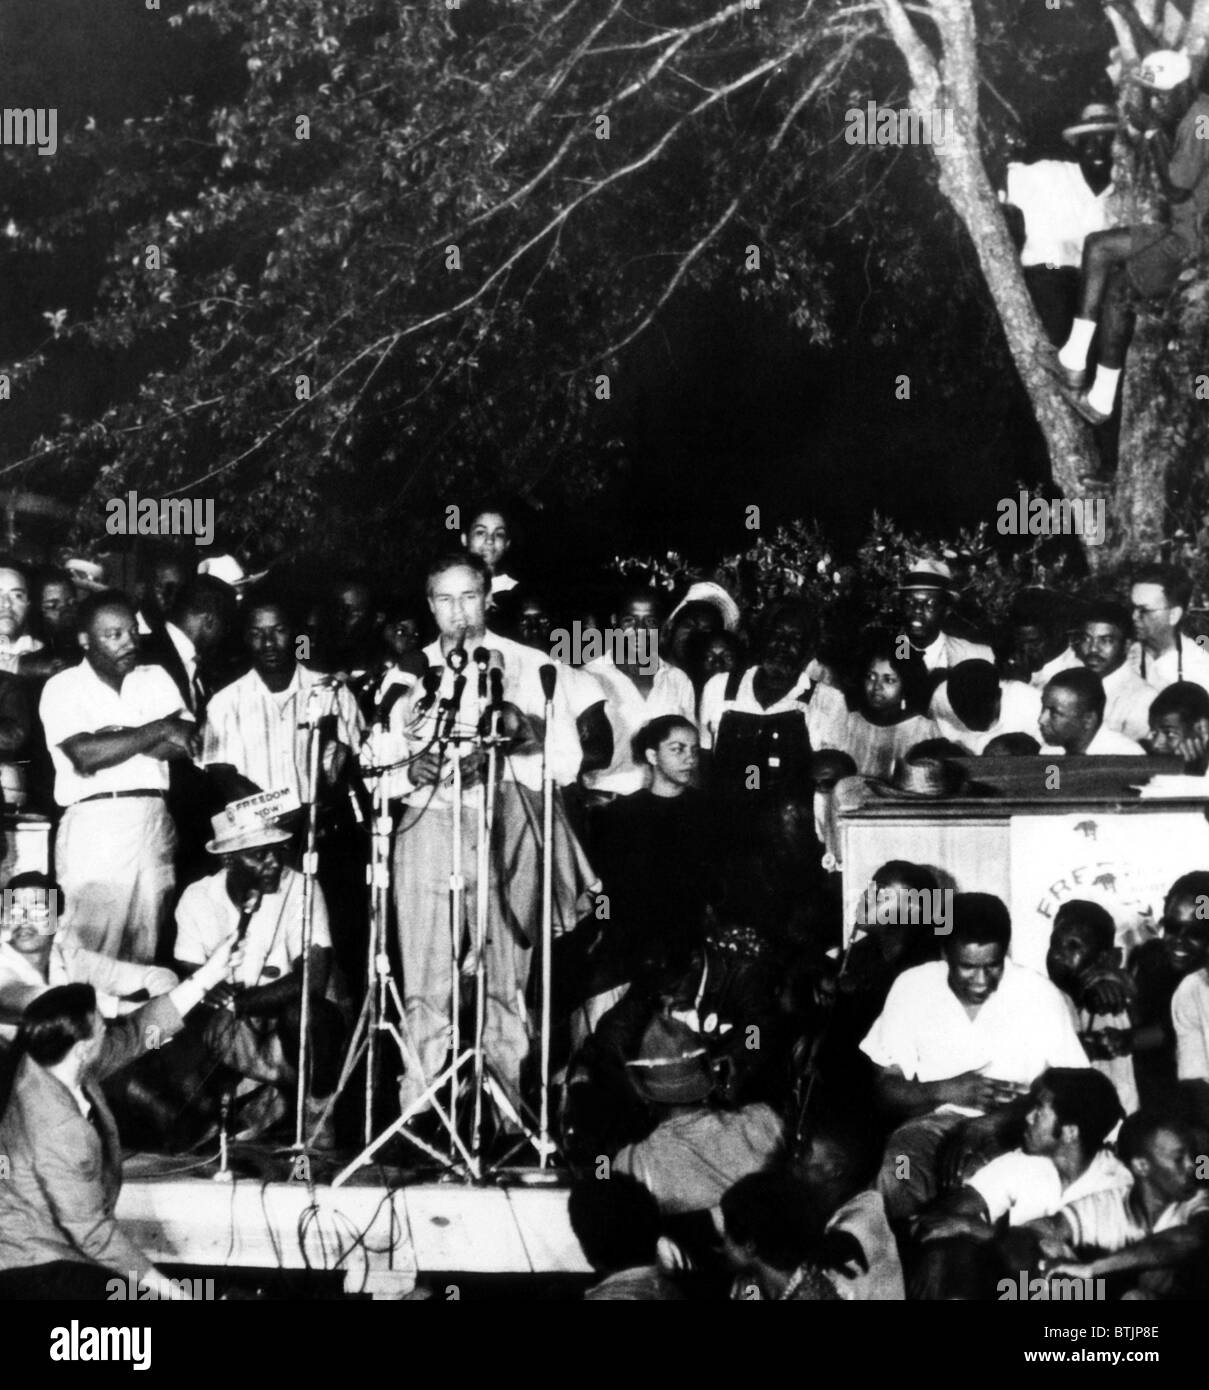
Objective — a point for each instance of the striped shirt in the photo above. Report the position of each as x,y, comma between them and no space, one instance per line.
261,733
1106,1220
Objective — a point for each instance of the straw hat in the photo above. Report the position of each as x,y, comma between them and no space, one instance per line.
240,826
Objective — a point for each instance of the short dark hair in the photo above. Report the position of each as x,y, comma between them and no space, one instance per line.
457,559
206,597
1085,684
1194,885
973,689
1080,912
616,1221
883,646
1174,582
979,919
1085,1098
1106,610
1185,698
33,879
1012,746
778,1214
915,876
268,595
97,603
54,1022
1139,1129
654,731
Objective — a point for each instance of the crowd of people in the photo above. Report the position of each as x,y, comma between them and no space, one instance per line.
762,1090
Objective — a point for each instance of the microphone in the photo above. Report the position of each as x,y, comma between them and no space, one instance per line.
412,663
251,905
457,657
481,659
496,678
432,683
548,675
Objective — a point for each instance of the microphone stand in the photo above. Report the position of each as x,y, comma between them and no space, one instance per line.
547,918
310,870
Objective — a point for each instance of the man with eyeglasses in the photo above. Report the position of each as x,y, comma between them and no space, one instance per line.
34,958
1163,652
926,600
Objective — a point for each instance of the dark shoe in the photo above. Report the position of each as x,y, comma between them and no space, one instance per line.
1073,380
1085,408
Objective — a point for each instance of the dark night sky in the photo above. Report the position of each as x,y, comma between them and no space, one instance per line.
726,406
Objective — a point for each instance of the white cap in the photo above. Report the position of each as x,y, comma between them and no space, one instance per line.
1163,70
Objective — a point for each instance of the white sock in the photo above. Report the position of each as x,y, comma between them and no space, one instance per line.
1073,353
1103,393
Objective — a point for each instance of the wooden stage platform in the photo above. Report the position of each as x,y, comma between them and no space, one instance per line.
383,1230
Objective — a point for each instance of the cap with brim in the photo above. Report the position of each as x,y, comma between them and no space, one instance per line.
1097,119
1163,70
238,827
706,591
928,574
672,1066
87,574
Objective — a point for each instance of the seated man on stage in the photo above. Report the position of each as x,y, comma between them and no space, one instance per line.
58,1235
254,1028
457,589
35,958
959,1039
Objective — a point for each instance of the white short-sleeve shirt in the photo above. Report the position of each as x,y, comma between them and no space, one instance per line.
77,701
1190,1014
206,916
628,710
924,1030
1028,1186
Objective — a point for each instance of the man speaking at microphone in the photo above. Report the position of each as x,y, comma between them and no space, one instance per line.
457,588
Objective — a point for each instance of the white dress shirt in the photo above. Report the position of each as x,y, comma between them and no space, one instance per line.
1186,661
945,651
1106,741
1019,711
77,701
1026,1187
1129,698
925,1031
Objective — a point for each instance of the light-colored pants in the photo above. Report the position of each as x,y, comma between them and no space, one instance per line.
426,949
113,859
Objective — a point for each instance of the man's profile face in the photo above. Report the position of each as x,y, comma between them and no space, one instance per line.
458,602
1186,935
1041,1135
1064,722
975,971
1171,1165
924,610
1101,647
14,603
1153,616
270,638
488,538
111,642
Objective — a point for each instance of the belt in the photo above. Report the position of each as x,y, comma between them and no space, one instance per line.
115,796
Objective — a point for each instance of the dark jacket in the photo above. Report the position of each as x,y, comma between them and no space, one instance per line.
65,1172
